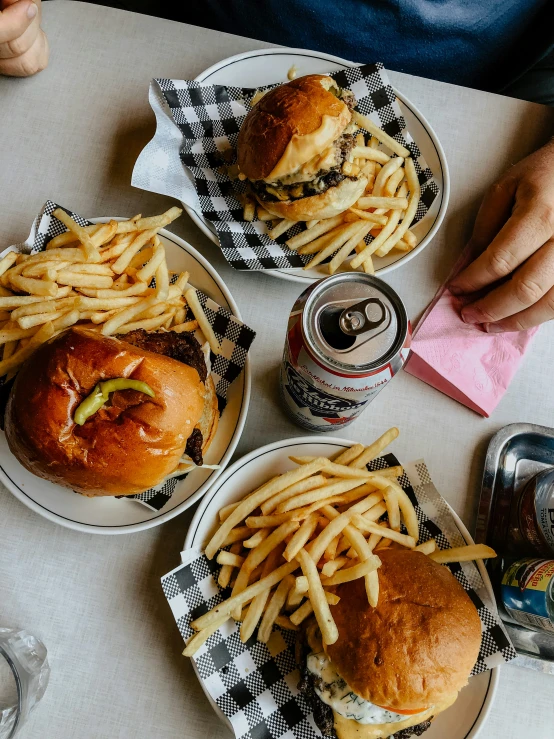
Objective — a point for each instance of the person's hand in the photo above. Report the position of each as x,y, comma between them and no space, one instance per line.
23,44
515,231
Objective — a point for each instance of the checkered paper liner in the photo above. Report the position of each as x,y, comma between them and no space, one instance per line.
197,121
255,684
234,336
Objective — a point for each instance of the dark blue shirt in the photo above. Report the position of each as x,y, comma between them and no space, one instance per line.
467,42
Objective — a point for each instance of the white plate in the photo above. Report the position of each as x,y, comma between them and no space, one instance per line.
111,516
465,718
268,66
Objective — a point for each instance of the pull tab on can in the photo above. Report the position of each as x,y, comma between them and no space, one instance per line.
358,318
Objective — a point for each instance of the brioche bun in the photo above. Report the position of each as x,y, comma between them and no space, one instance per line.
330,203
289,126
130,444
417,648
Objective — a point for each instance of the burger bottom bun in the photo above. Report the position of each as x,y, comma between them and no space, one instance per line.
346,728
330,203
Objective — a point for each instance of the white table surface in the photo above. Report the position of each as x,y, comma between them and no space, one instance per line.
72,134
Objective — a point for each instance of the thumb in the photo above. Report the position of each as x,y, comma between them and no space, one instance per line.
15,19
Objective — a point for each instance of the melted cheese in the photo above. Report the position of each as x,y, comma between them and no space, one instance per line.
338,695
302,149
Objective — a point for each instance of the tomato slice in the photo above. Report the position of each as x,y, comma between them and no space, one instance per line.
403,713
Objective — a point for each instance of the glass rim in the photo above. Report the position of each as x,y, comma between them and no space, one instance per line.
19,707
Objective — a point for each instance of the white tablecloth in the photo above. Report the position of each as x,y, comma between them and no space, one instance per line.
72,134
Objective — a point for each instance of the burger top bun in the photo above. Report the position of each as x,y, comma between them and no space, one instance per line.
418,646
289,126
127,446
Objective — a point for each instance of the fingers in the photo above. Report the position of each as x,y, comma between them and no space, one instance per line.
32,61
528,285
527,229
23,43
494,211
15,20
534,316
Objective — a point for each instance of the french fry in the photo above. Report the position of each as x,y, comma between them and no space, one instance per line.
398,203
323,241
265,492
345,251
378,241
148,324
147,272
310,483
226,511
388,169
393,509
410,238
70,238
285,623
384,531
227,570
428,547
300,537
329,568
127,314
76,279
280,228
311,234
391,185
409,215
265,522
249,210
44,333
187,326
155,222
124,260
136,289
326,623
462,554
256,607
38,319
252,541
374,155
227,558
368,216
312,223
266,583
264,215
301,584
34,287
196,641
237,535
375,449
83,236
274,607
347,574
191,297
7,261
306,608
162,281
364,122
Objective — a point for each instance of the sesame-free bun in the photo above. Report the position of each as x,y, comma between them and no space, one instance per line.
330,203
127,446
417,648
289,126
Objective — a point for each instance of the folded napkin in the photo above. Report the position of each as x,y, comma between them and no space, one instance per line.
462,360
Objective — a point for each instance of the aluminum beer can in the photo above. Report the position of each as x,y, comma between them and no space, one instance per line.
536,512
347,336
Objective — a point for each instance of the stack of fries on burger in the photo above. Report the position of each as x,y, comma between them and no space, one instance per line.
309,156
112,392
386,635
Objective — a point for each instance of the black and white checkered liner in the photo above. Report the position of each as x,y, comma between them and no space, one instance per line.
254,684
234,336
209,118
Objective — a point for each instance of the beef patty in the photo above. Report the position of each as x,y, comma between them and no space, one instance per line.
185,348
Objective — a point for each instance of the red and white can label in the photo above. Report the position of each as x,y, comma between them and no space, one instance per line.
321,400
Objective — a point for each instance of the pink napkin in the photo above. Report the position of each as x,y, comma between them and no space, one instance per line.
462,360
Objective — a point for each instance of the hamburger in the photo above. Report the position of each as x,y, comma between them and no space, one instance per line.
137,437
396,666
295,147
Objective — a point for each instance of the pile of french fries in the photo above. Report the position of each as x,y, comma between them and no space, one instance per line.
97,276
287,545
386,210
